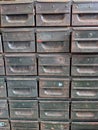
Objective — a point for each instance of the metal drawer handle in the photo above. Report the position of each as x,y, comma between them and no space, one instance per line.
86,93
87,17
18,69
17,18
53,93
85,114
52,17
19,45
25,113
85,70
52,69
87,45
22,91
52,45
53,114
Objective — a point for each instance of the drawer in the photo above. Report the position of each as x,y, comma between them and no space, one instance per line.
22,87
18,40
24,125
4,125
54,64
54,110
84,13
53,87
54,125
0,44
2,71
13,14
84,110
23,109
53,13
85,40
84,88
3,109
53,40
20,64
84,125
2,88
85,65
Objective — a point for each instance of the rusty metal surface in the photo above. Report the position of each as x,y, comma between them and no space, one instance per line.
53,40
4,124
20,64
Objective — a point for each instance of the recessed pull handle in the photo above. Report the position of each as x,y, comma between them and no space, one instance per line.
20,18
52,92
52,69
53,114
85,114
88,17
21,91
24,113
18,45
52,17
86,93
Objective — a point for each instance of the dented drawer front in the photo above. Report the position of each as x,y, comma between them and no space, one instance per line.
3,109
23,109
53,13
53,87
54,64
84,125
24,125
54,125
85,65
84,88
54,110
85,40
84,110
0,44
20,64
18,40
2,71
2,87
53,40
85,13
22,87
4,125
13,14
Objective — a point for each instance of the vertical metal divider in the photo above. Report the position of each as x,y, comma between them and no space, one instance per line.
37,66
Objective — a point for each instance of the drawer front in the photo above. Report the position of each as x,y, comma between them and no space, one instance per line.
54,64
85,14
2,88
84,88
84,125
84,40
53,88
54,110
2,71
20,125
11,20
53,7
4,125
53,19
3,109
22,87
55,125
0,44
84,110
22,64
23,109
53,40
85,65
